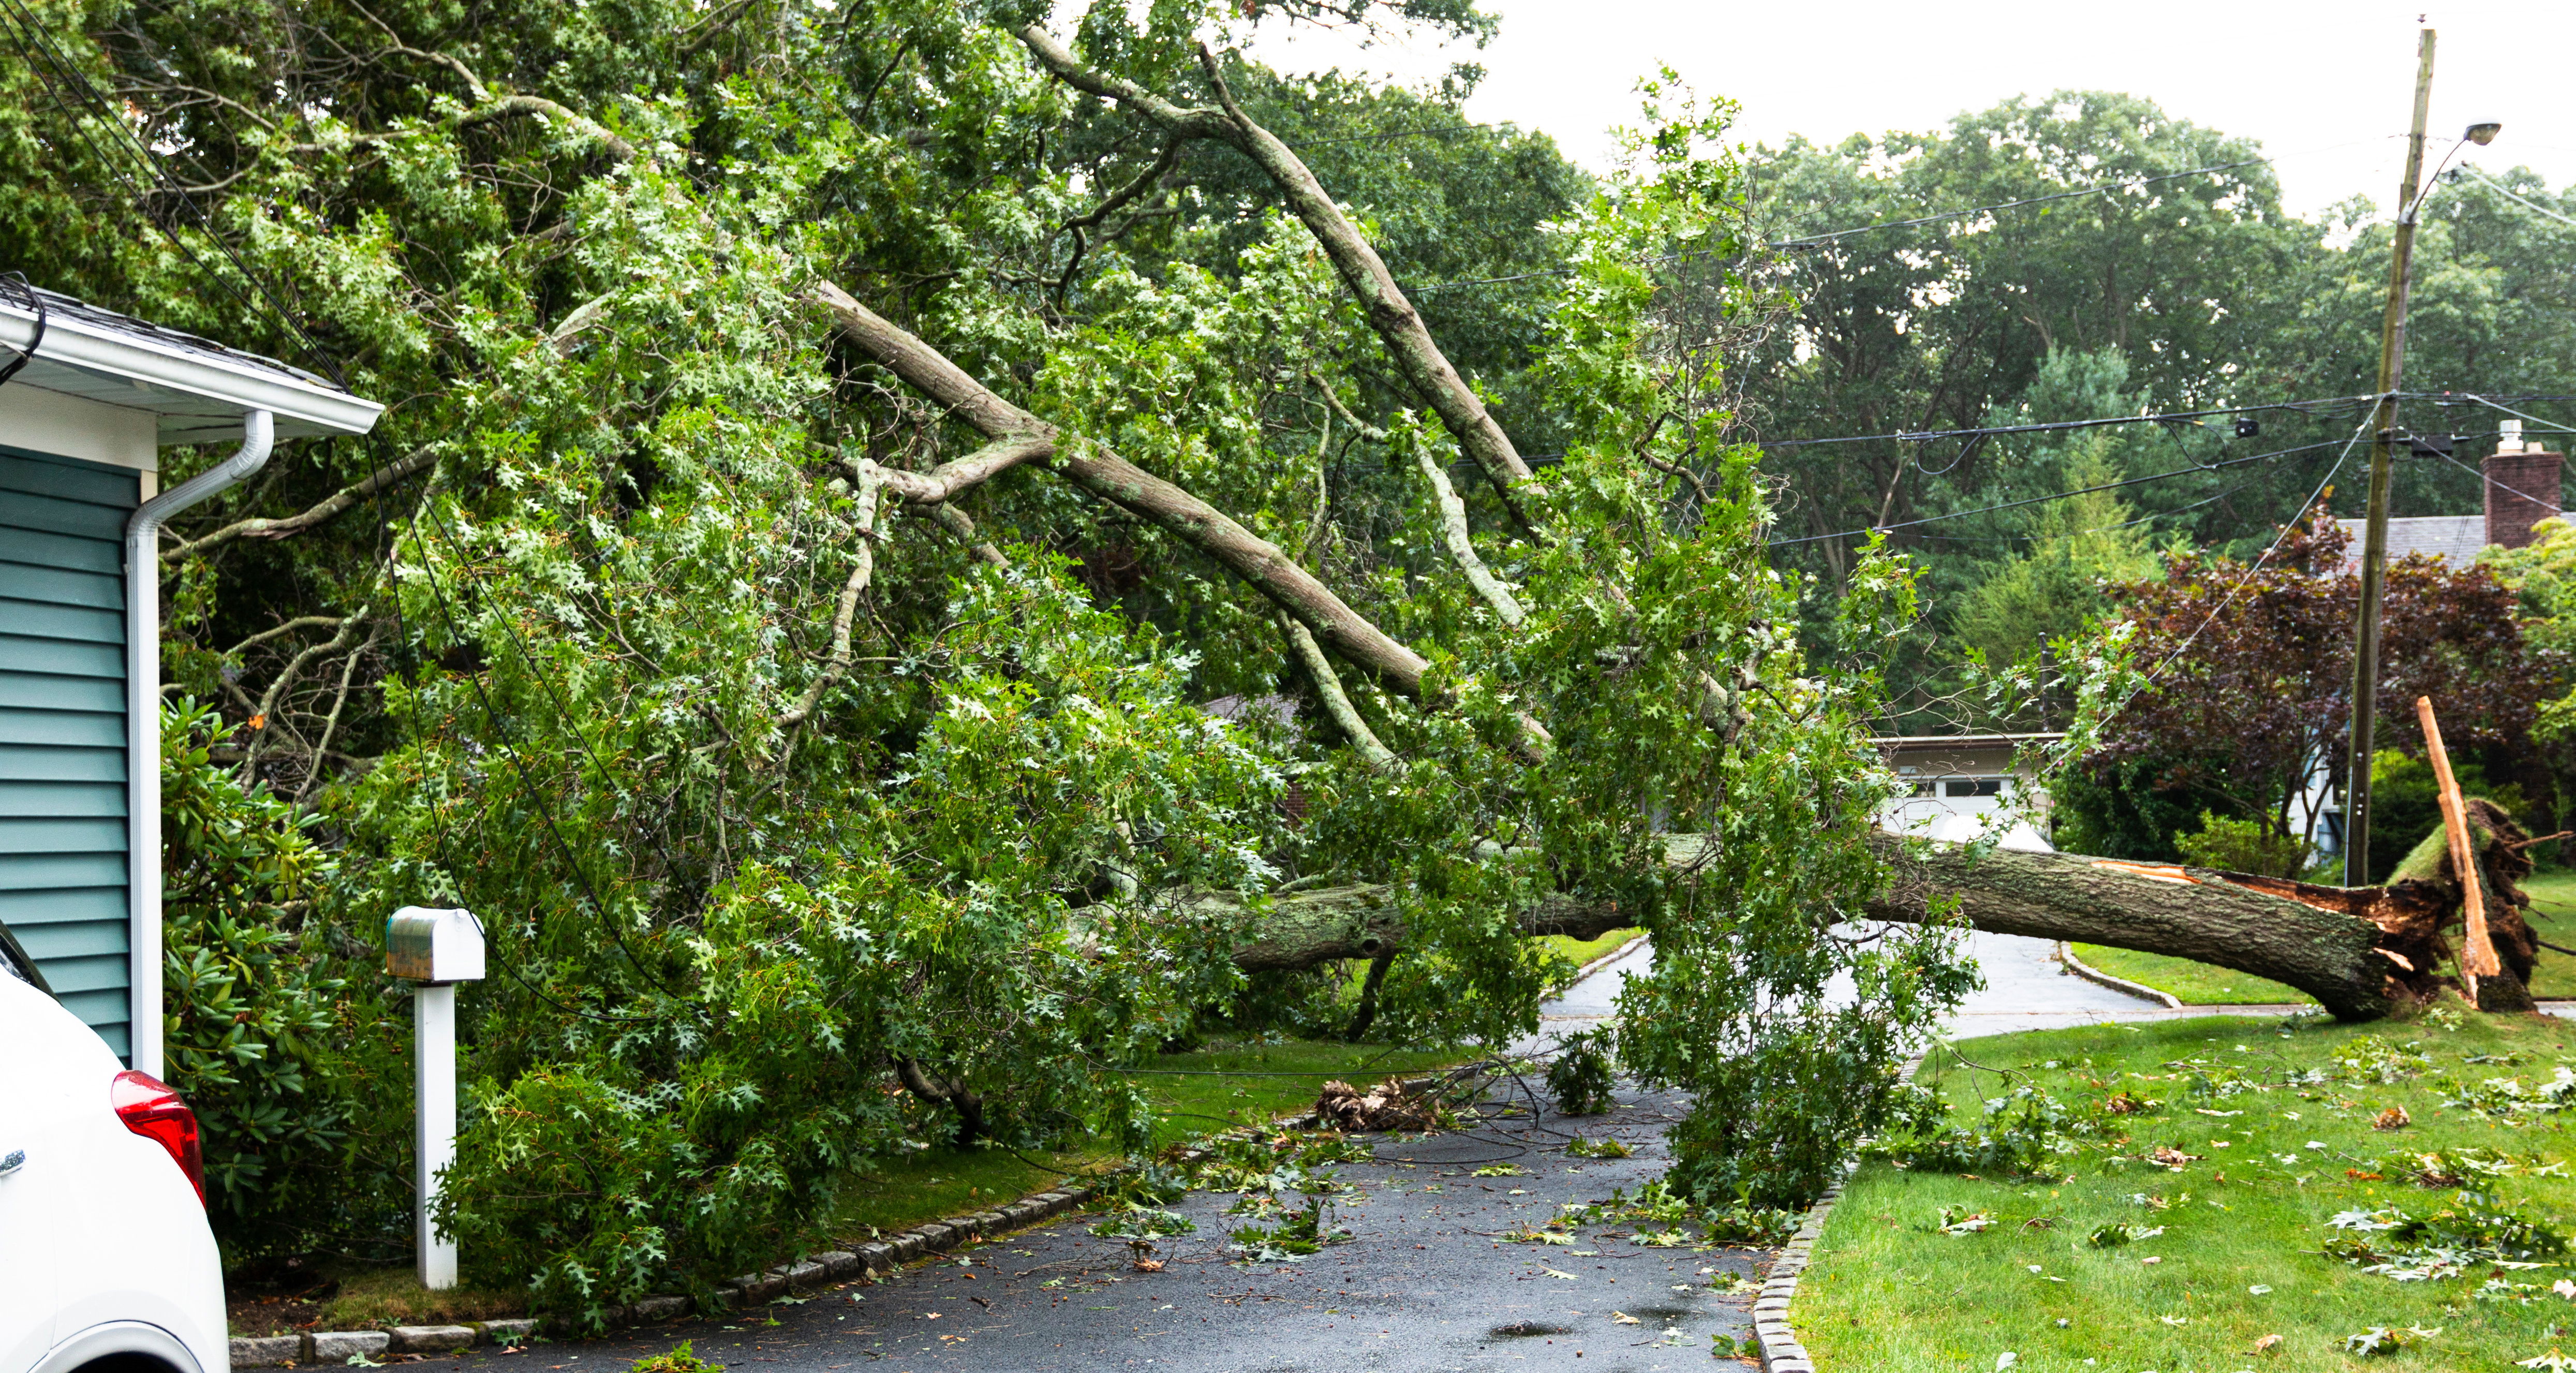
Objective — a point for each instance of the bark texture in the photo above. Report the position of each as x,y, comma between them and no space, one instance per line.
1425,368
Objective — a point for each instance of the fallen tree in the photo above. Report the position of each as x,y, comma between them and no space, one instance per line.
2363,952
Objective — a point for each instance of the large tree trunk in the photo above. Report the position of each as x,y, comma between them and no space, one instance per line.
2364,952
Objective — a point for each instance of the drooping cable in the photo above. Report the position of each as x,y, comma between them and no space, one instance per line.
2057,495
57,73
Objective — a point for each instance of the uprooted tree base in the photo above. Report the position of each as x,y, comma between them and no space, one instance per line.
2362,952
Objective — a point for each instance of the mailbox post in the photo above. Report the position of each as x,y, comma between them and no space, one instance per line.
435,950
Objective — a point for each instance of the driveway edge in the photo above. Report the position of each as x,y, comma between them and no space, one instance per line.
1781,1352
877,1258
2094,975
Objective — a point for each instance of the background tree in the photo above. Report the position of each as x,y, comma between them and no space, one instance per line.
2249,666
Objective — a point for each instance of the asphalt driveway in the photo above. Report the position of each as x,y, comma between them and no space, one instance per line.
1425,1283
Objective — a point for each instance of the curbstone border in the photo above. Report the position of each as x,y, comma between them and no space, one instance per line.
1781,1352
877,1258
2140,990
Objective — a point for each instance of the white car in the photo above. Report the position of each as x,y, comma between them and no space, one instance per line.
106,1262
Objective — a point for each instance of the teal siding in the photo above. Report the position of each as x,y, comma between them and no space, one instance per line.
62,727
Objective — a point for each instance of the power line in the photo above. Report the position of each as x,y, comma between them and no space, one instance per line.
2256,566
2055,496
2544,501
2304,407
2518,200
1947,215
1840,234
41,54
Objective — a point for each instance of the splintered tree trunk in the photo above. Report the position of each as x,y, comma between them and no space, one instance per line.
2364,952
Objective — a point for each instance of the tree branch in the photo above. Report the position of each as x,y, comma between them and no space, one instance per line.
1462,550
863,565
1337,703
521,106
1114,479
1398,325
955,522
418,460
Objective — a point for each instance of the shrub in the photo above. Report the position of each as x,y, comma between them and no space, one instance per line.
1579,1079
276,1030
2249,846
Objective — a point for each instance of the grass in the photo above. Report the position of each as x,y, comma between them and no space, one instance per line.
370,1299
2553,903
2193,984
2553,900
1583,951
1889,1291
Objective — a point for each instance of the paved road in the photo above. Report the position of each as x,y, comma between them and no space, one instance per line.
1423,1285
2025,989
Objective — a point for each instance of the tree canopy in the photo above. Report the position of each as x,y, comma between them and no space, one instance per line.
901,538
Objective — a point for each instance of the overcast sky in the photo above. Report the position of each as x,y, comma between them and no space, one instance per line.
2323,86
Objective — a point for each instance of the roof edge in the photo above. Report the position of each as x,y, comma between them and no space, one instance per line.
200,369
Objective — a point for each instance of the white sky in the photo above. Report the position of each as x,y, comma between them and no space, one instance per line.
2301,76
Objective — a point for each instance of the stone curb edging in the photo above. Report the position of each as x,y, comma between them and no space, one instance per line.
2140,990
1604,960
875,1259
1781,1352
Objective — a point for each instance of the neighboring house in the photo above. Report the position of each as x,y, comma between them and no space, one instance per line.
88,399
2523,487
1961,785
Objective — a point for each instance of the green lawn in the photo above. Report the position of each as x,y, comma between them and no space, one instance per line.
2243,1224
2553,917
2194,984
1583,951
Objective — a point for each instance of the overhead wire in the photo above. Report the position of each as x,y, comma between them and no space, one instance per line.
2253,567
2056,495
42,56
2499,188
1818,240
2304,407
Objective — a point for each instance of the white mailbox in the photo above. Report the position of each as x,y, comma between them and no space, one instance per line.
434,946
435,950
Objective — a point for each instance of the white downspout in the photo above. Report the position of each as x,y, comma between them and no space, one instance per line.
143,728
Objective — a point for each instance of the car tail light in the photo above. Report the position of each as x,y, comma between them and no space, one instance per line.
150,1109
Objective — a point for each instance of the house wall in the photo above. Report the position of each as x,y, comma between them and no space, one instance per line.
35,420
62,724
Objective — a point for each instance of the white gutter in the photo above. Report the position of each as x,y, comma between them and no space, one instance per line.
143,728
222,382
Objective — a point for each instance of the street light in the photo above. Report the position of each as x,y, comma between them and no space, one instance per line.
2481,134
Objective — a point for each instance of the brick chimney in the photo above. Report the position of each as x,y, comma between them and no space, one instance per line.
2522,489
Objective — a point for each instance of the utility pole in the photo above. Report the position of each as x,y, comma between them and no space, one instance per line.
2374,543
